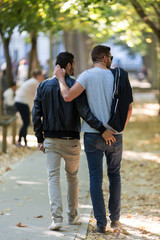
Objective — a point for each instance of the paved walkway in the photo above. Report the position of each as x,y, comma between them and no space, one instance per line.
24,198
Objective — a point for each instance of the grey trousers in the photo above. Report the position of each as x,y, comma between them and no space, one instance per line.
69,150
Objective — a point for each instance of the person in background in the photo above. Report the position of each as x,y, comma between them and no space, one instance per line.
24,102
98,82
8,100
22,72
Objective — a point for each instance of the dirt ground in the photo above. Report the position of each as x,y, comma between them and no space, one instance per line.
140,173
14,153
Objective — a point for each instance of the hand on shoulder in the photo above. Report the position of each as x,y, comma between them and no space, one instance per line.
59,72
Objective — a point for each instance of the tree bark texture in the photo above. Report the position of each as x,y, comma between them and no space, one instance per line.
33,56
51,54
78,44
9,73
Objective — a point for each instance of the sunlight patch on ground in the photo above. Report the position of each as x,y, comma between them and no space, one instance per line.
147,109
136,83
142,223
29,182
31,140
84,206
84,218
132,155
144,97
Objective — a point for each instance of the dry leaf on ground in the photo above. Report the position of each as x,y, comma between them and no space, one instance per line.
40,216
20,225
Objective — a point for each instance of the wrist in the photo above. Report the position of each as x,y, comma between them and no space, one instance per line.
62,79
102,129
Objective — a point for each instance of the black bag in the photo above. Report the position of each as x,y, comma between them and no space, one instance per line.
120,102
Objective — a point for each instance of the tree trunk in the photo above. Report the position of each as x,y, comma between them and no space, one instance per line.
67,37
51,54
33,56
78,44
9,73
8,61
151,61
154,61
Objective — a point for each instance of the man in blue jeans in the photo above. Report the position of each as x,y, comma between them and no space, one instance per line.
99,83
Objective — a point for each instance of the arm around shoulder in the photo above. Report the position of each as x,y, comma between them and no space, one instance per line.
70,93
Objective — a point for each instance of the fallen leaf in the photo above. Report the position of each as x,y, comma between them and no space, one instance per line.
40,216
20,225
93,220
8,210
142,229
7,169
1,213
116,232
144,232
124,231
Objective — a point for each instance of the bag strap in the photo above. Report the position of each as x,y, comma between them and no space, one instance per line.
117,78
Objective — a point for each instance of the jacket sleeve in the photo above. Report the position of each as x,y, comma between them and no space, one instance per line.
86,114
37,116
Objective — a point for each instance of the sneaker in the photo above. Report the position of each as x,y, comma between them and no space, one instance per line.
115,224
73,219
55,225
101,229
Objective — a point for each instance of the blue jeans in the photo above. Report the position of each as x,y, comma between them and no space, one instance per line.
95,148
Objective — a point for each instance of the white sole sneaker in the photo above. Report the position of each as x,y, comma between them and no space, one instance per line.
75,220
55,226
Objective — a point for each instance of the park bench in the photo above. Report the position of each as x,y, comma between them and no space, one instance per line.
5,122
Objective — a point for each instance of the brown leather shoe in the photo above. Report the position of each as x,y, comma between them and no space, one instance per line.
101,229
115,224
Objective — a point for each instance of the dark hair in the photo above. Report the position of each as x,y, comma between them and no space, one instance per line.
12,84
99,52
64,58
36,72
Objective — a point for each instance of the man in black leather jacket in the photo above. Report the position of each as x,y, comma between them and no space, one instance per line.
58,122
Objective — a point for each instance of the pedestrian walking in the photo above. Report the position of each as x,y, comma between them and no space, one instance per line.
24,102
8,100
98,83
57,128
22,71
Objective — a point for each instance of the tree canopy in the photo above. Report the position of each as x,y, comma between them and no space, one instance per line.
131,21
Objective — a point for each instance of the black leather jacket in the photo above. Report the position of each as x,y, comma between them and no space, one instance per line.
53,117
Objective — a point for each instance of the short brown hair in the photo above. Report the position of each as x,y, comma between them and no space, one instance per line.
36,72
99,52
